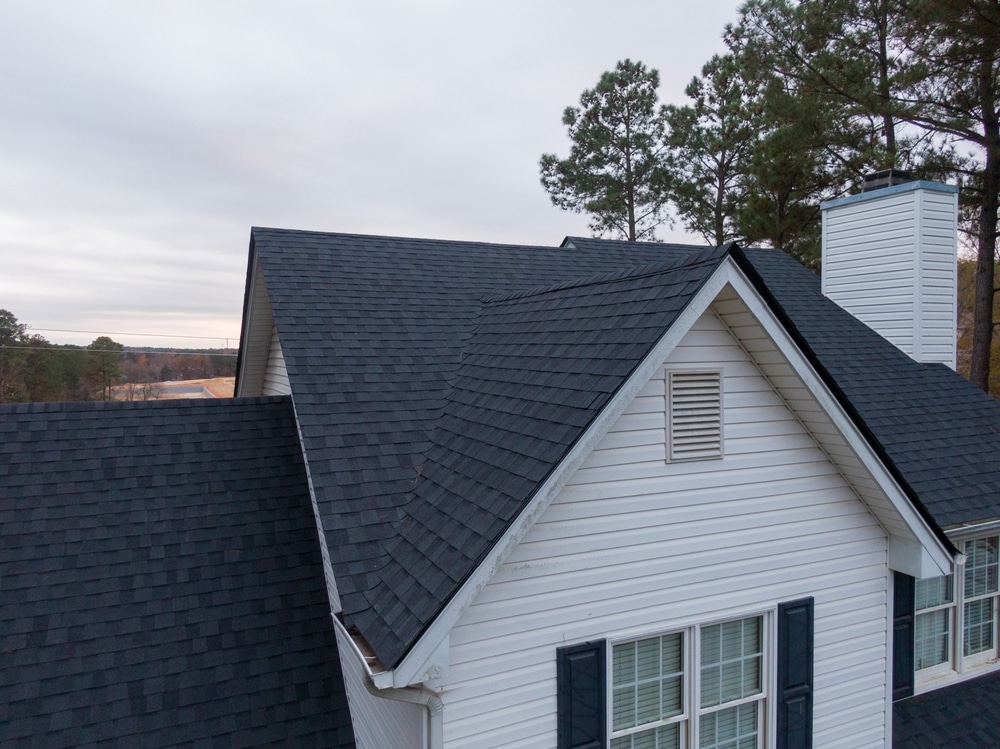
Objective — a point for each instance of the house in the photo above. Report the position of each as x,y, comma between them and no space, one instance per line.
602,494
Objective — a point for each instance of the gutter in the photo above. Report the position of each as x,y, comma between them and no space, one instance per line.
429,699
968,530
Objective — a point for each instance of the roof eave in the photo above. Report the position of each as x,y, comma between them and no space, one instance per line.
830,383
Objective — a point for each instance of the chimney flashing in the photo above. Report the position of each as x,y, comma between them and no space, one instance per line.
882,192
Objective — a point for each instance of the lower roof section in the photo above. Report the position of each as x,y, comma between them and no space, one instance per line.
161,579
964,715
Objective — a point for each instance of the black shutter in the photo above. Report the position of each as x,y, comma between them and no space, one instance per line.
581,696
795,674
903,615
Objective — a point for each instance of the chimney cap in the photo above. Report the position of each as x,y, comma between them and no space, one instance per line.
885,178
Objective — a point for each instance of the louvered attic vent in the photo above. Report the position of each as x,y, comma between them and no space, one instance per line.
694,416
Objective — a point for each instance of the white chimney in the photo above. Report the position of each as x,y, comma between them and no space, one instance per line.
890,257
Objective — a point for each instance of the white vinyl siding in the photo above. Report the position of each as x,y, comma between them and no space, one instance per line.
635,545
275,374
890,258
378,723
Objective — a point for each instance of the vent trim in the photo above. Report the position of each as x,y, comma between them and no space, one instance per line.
694,416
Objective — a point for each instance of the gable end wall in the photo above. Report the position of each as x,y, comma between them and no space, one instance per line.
634,545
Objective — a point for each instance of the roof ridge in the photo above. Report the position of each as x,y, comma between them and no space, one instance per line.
647,270
400,238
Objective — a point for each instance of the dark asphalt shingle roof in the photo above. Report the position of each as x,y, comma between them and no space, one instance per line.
372,331
537,369
939,432
410,383
962,716
161,581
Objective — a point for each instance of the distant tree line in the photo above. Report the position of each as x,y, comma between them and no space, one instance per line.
808,98
33,370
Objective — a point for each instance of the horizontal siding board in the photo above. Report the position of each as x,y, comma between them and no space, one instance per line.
275,374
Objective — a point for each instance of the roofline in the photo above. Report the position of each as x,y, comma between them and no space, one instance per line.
244,317
426,658
417,664
747,267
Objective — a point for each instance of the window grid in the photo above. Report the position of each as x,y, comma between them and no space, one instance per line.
724,666
647,684
978,632
934,603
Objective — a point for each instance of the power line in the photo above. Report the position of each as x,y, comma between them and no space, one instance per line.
70,348
141,335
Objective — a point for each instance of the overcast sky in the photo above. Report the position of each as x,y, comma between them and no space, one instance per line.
140,141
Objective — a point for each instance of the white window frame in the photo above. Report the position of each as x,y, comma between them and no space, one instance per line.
692,714
948,607
959,665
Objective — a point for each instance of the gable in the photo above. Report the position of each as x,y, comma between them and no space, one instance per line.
635,545
912,546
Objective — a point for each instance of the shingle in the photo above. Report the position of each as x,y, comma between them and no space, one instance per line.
403,333
935,429
116,642
962,716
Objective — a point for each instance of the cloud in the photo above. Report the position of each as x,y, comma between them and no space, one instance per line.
140,142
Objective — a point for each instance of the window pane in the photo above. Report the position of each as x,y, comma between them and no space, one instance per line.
931,638
732,728
624,663
730,661
673,696
933,591
647,681
666,737
624,708
978,631
981,567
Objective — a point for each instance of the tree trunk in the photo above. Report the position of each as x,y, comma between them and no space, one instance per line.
982,332
884,86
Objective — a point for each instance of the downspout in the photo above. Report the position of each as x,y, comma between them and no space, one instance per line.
414,695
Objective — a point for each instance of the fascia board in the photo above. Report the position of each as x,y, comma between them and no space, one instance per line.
256,315
244,330
420,664
935,558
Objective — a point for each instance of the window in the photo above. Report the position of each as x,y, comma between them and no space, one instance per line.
694,416
704,687
656,705
956,625
934,603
